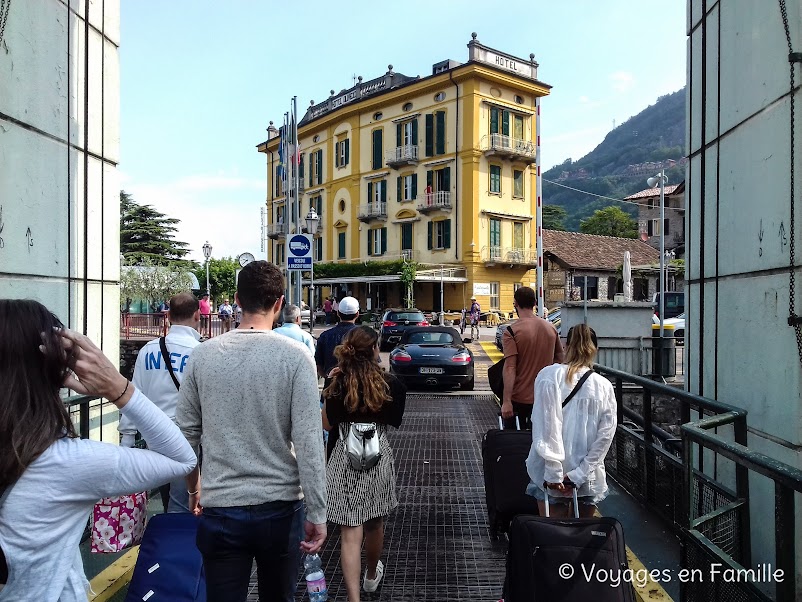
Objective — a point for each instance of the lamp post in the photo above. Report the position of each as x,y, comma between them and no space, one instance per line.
207,253
652,183
312,221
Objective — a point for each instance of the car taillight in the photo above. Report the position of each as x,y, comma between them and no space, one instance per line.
423,323
388,323
401,356
463,357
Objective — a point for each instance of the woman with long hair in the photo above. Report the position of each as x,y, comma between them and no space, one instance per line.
49,478
569,442
358,500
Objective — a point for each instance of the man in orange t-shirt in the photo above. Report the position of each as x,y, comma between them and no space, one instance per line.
534,346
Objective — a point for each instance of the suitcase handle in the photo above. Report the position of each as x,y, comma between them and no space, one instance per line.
501,422
576,500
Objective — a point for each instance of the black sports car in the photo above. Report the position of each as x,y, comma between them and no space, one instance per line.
433,357
395,322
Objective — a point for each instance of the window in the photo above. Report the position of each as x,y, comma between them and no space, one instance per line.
377,241
436,133
518,235
406,237
653,227
377,115
494,286
377,192
278,180
279,254
439,234
440,96
592,286
316,202
519,99
500,123
318,249
439,180
378,149
341,245
280,214
517,183
342,152
316,168
407,106
495,238
406,133
495,179
518,127
407,187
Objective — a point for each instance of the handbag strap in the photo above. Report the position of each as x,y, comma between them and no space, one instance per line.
166,356
578,386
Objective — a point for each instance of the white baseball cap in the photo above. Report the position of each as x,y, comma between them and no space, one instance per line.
348,306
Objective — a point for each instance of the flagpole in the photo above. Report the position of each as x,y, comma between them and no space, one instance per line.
296,184
287,211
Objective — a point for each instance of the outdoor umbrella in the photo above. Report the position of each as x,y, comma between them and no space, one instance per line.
627,276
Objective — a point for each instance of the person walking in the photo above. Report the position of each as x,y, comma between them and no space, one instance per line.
251,397
206,314
291,328
348,312
50,478
533,345
335,308
569,443
359,500
225,312
158,373
475,313
327,308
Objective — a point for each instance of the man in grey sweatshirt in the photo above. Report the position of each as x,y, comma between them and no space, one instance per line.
250,399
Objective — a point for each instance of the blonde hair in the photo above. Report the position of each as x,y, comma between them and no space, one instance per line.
580,350
360,379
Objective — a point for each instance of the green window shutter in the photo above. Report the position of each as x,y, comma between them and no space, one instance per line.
414,186
370,192
399,196
311,168
429,235
447,179
398,136
301,169
406,236
347,151
441,133
377,149
383,191
494,120
447,234
384,240
505,123
320,167
337,154
340,245
370,242
415,132
429,179
429,134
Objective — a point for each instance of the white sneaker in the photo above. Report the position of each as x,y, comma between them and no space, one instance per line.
371,585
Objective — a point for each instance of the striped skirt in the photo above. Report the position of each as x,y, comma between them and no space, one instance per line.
357,496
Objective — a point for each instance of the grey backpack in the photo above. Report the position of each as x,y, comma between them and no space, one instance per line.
361,441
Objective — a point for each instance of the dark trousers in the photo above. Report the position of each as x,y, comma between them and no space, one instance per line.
231,538
524,413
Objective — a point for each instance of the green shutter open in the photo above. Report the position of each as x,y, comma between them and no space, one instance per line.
505,123
320,166
429,235
447,234
398,135
441,133
429,134
399,186
383,191
370,192
311,168
384,240
377,149
494,120
340,245
301,169
415,132
447,179
347,151
414,186
370,242
337,154
430,180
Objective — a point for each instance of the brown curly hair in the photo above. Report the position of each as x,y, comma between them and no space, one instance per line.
360,379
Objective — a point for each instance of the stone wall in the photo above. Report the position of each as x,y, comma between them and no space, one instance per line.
129,350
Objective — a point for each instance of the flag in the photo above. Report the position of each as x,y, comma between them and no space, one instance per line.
282,142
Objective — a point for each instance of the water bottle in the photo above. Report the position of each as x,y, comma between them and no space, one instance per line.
315,579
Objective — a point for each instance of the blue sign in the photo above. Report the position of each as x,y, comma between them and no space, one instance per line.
299,252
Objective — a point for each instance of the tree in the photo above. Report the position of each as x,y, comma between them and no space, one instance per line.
153,283
610,221
148,234
553,217
408,272
222,278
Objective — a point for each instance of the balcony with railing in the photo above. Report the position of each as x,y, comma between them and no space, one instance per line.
372,211
501,145
402,155
508,256
435,200
277,230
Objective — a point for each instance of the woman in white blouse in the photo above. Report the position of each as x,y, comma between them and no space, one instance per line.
569,443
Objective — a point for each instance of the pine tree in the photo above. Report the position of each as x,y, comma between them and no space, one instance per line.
148,234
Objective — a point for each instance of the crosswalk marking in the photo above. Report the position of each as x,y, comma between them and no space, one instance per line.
492,352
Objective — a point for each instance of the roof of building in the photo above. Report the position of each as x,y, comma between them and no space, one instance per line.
653,192
594,252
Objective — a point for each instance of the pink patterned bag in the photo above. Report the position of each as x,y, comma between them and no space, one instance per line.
119,522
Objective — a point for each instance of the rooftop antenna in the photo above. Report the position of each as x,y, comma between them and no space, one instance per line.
354,78
613,123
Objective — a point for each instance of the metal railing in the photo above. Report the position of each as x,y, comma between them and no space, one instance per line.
402,154
151,326
435,200
509,255
372,210
277,229
637,355
507,145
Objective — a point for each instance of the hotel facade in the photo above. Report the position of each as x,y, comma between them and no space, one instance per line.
440,170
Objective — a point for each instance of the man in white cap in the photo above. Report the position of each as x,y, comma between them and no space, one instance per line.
348,312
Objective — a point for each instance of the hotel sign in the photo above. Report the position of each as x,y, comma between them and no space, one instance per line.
500,60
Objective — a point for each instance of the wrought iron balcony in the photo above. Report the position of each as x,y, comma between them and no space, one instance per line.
500,145
402,155
372,211
435,200
508,256
277,230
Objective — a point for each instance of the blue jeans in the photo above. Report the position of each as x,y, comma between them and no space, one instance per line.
231,538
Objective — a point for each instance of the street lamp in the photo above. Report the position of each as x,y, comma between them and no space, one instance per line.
312,221
207,253
660,179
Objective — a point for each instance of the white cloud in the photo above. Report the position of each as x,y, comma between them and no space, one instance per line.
622,81
584,99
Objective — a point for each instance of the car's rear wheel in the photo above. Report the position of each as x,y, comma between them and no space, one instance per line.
467,385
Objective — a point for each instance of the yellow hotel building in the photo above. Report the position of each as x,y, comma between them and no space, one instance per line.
441,170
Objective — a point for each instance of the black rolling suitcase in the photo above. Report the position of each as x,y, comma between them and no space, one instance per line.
551,559
504,454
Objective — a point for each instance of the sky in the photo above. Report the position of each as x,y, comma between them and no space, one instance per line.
202,79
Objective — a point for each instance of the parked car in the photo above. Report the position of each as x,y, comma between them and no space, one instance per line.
395,322
674,304
433,356
678,323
